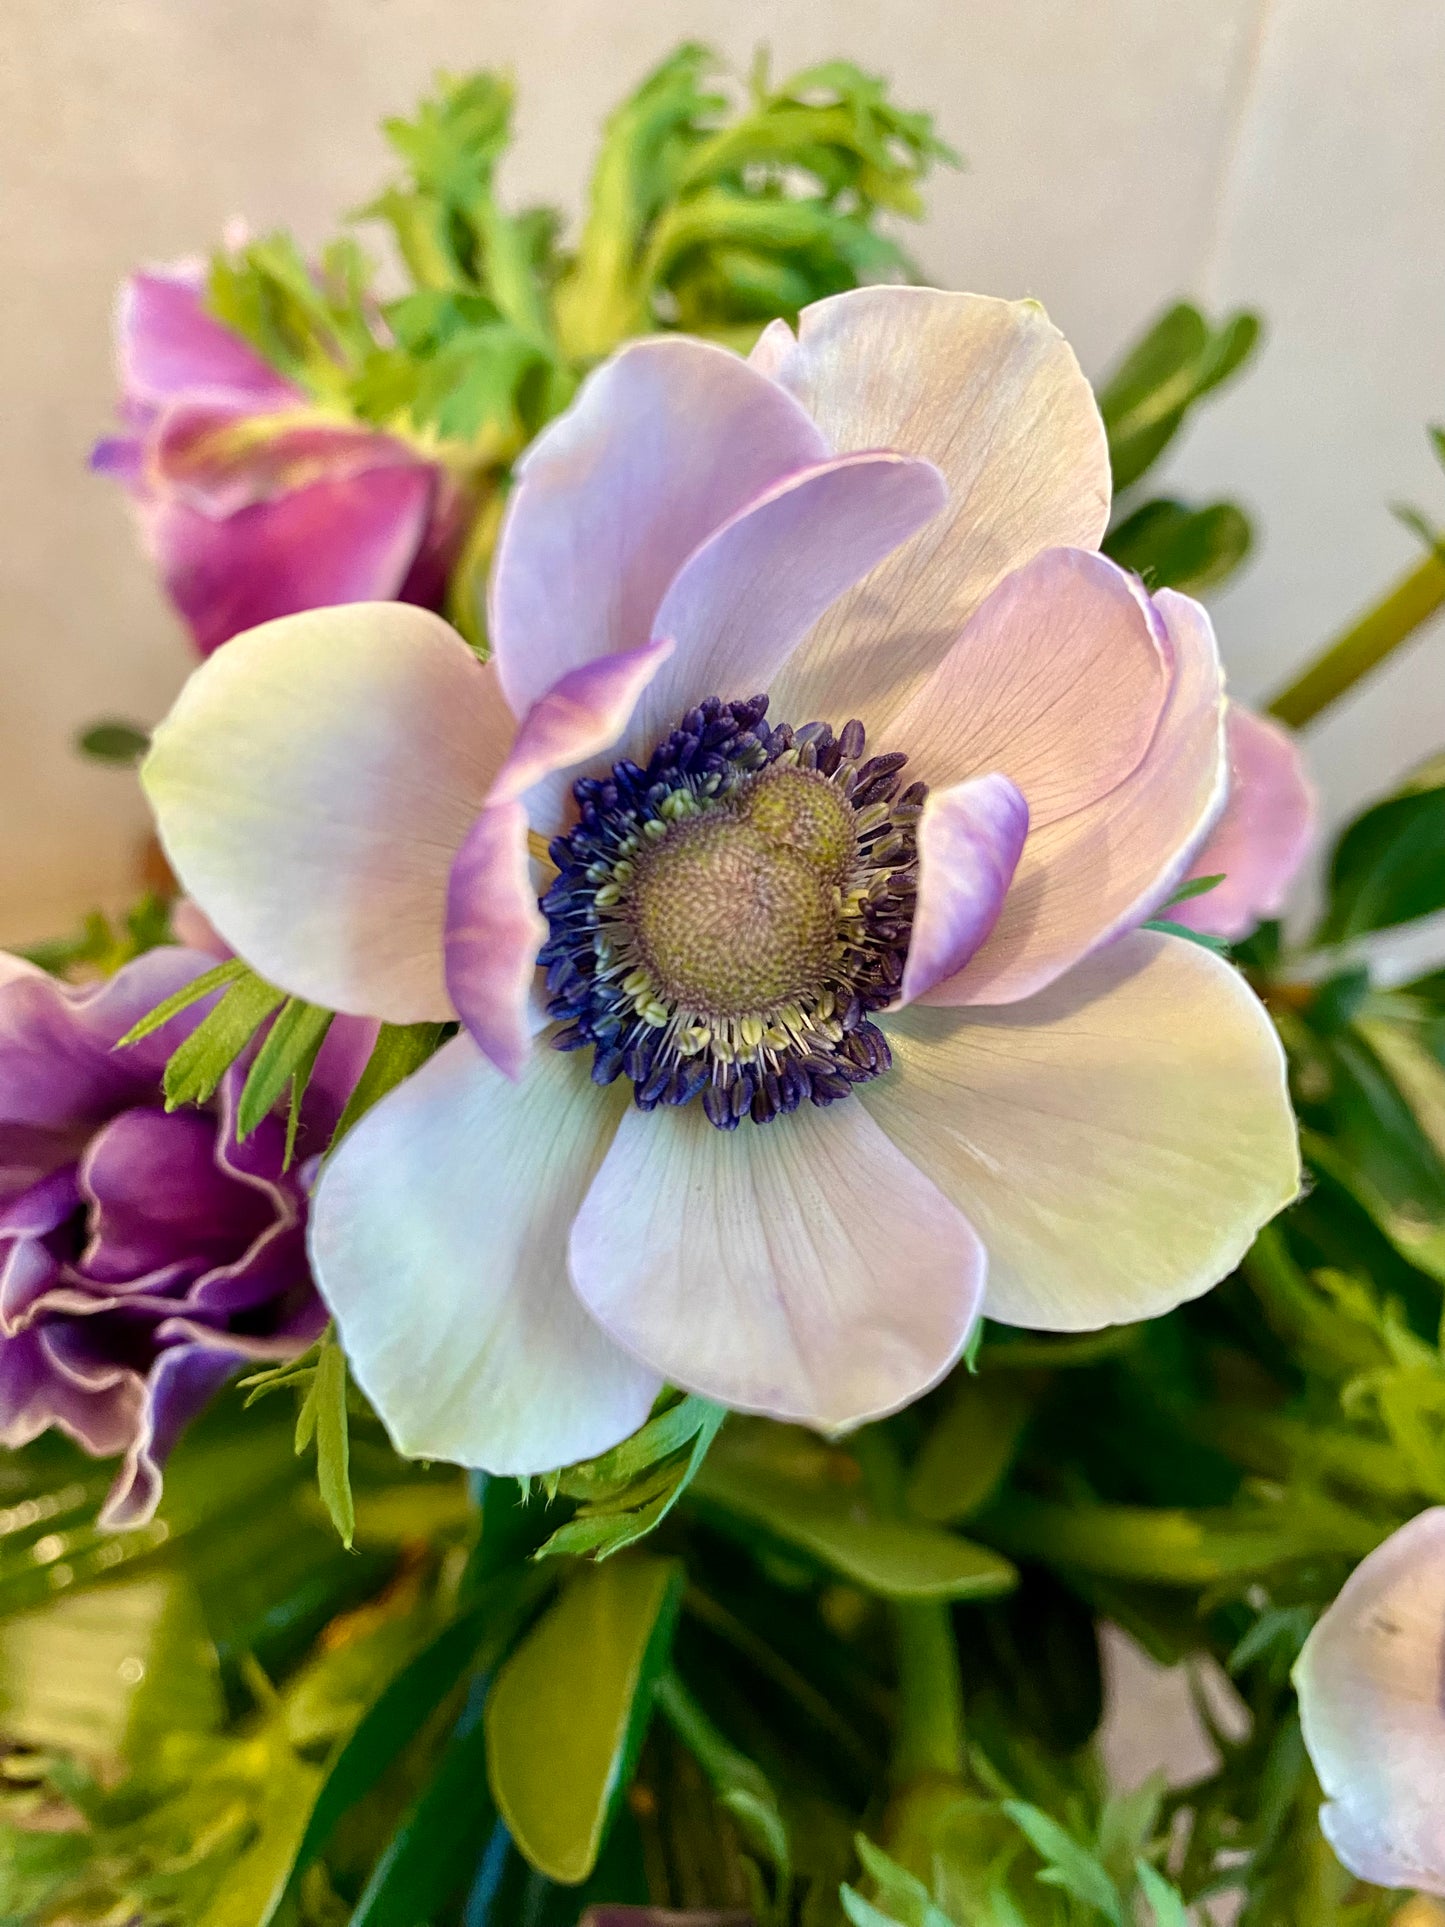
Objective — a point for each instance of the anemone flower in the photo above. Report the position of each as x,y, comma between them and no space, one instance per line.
1268,828
1370,1683
252,502
145,1256
889,1034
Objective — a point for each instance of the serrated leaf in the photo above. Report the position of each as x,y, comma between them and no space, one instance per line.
286,1056
191,993
630,1490
1166,1901
323,1417
399,1050
197,1066
1069,1865
788,1486
570,1707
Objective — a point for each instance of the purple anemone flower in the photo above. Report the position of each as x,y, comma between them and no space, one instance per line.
252,502
145,1255
786,867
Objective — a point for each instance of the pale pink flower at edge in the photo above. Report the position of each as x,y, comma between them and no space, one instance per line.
1268,827
957,1071
1369,1685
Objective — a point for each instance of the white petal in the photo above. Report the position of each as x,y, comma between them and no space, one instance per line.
438,1239
313,784
1371,1685
990,392
800,1268
1117,1139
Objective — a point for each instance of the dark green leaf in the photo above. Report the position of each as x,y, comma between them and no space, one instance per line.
197,1066
399,1050
286,1056
570,1708
114,742
1388,867
1173,546
431,1855
1179,360
741,1786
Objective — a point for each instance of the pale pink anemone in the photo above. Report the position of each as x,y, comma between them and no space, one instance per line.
893,518
1371,1685
1268,828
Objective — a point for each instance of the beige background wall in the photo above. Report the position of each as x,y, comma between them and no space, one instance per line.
1289,153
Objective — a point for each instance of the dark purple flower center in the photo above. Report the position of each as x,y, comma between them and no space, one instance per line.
725,921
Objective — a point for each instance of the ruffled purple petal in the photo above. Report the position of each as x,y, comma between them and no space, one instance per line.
167,345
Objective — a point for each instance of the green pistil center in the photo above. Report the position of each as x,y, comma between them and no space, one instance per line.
736,910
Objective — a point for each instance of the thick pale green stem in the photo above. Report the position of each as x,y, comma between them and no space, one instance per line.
928,1740
1364,645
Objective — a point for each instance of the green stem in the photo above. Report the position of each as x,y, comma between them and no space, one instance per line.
1364,645
928,1737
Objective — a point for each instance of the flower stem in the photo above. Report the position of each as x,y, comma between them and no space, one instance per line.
1364,645
928,1738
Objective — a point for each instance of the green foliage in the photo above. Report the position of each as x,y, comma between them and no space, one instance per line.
112,741
319,1376
630,1490
399,1050
769,1483
198,1064
1181,358
567,1716
100,947
1174,546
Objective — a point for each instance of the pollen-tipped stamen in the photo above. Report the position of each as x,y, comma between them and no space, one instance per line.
725,921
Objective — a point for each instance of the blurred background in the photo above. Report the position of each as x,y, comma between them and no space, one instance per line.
1284,154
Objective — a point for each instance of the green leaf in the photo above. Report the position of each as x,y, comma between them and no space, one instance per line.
323,1416
114,742
402,1709
902,1898
630,1490
197,1066
1196,887
1174,546
968,1452
1179,360
1388,867
428,1859
1167,927
399,1050
570,1707
286,1056
1166,1901
229,972
1069,1865
799,1492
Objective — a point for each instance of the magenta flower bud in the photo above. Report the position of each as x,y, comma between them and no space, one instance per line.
251,503
145,1255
